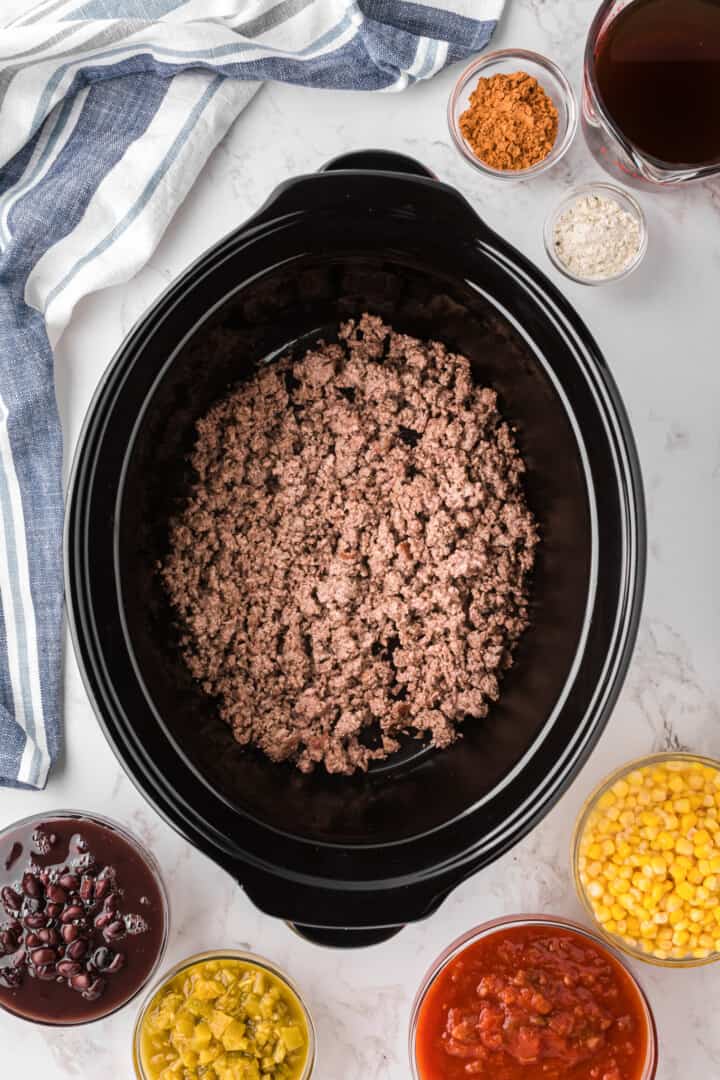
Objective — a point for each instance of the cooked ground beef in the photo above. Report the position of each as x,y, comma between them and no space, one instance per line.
354,551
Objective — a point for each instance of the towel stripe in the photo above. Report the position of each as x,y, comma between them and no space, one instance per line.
22,643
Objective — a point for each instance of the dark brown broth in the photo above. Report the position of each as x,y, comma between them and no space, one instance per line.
658,74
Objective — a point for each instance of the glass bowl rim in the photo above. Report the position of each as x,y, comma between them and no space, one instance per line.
562,145
618,194
152,864
588,806
230,954
492,926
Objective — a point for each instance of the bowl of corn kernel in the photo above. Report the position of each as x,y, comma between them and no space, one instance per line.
646,859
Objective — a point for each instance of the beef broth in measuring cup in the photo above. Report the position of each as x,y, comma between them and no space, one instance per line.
652,89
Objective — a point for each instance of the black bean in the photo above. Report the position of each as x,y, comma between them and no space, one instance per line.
31,886
81,981
69,933
70,882
102,887
102,958
77,949
56,894
112,902
68,968
71,914
10,899
118,962
87,888
94,990
35,922
8,941
114,931
43,956
49,937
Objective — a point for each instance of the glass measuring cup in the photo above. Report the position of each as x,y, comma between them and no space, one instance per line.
613,150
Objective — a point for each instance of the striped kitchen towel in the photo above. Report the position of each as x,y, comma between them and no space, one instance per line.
108,111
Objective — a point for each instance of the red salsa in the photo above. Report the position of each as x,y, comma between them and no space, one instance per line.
532,1003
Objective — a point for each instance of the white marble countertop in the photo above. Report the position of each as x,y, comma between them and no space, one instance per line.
659,331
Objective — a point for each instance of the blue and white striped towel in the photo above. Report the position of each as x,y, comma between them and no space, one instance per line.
108,111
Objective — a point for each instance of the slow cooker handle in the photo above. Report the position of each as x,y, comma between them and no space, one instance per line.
379,161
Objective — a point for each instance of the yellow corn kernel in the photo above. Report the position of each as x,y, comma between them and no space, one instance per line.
695,781
621,788
606,799
678,871
686,890
608,847
682,806
705,941
694,876
700,837
595,890
618,912
594,869
665,841
683,846
602,913
676,917
594,851
648,929
711,883
688,821
610,926
676,784
696,915
681,937
704,867
635,778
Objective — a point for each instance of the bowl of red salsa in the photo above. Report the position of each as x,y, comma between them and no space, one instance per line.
531,997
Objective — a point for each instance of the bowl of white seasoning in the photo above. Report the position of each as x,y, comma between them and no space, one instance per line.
597,234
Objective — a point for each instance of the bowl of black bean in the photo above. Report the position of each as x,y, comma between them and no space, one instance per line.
83,918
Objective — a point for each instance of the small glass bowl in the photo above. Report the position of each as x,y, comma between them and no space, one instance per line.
589,807
224,954
507,62
152,865
494,926
625,201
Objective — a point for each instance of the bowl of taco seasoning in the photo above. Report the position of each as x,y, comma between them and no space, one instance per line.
512,114
531,997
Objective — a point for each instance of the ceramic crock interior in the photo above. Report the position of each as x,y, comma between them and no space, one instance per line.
284,309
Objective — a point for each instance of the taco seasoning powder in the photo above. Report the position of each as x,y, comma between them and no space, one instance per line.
511,122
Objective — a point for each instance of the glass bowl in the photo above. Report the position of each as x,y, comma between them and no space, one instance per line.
225,954
495,925
625,201
506,62
591,804
52,1009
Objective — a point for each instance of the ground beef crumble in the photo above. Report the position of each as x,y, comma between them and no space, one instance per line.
354,551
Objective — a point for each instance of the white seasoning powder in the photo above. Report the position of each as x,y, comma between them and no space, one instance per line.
595,238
